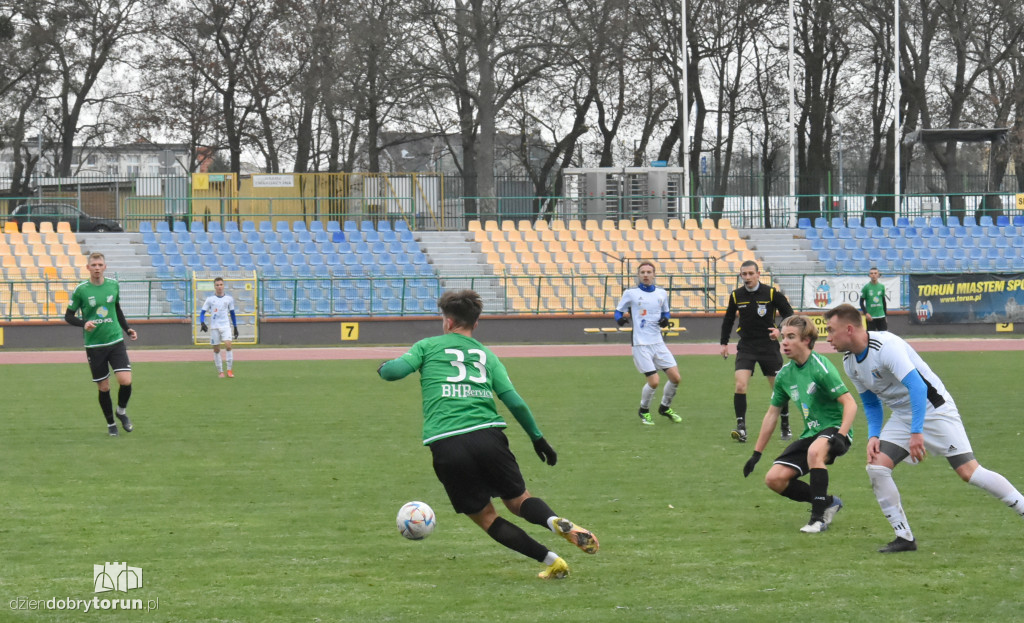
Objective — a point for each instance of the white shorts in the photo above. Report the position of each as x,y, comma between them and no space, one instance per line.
652,357
220,334
944,433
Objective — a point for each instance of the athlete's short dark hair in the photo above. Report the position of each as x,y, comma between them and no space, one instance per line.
750,263
216,279
845,312
462,306
804,326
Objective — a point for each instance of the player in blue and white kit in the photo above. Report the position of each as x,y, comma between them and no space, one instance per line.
647,306
886,370
223,325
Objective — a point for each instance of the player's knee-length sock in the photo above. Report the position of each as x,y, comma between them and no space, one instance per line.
537,511
997,484
739,403
669,393
646,395
229,359
124,393
107,406
820,499
798,491
514,538
216,360
888,497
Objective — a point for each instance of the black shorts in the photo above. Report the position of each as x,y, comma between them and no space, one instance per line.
476,467
878,324
767,355
795,454
102,359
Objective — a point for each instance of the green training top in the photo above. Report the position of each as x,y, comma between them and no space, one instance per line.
459,379
816,386
874,299
98,304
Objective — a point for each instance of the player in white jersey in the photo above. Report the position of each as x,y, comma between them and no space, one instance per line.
647,308
886,370
223,326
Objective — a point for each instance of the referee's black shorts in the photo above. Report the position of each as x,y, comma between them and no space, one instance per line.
102,359
766,354
476,467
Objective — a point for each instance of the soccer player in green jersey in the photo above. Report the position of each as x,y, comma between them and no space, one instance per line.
872,302
459,379
814,386
99,300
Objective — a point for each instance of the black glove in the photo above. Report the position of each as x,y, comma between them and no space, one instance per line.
748,467
545,451
623,321
664,323
236,332
838,445
202,327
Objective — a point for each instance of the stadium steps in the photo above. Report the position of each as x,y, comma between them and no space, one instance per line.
786,252
455,258
127,259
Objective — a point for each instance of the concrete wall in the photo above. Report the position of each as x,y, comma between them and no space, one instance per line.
492,330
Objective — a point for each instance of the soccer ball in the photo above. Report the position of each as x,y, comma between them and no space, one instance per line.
416,520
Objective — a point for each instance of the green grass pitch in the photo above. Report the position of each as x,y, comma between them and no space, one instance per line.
272,497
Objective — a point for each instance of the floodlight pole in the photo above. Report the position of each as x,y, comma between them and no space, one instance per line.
792,111
842,202
685,112
897,121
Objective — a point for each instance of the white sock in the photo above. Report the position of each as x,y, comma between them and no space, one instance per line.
216,360
999,486
888,497
229,359
122,411
669,393
646,395
550,558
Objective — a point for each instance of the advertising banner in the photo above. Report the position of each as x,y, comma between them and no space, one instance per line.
823,292
273,181
979,298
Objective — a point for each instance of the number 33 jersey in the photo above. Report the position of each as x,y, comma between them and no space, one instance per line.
460,379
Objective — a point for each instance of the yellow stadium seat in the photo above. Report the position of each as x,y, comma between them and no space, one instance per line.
541,225
674,223
69,273
28,227
507,225
607,224
491,226
690,224
32,237
52,239
707,224
529,235
524,225
713,234
657,223
592,225
512,235
625,224
474,225
558,225
9,261
575,224
641,224
546,235
648,234
724,223
11,227
64,227
15,238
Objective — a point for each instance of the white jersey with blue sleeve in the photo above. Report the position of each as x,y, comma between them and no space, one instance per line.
888,361
218,312
645,309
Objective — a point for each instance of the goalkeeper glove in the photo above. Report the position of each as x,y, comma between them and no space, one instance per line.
623,321
236,331
545,451
202,327
748,467
664,323
382,364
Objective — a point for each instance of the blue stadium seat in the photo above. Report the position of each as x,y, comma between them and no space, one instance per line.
388,236
196,226
181,237
401,226
162,227
970,221
884,243
419,258
925,253
842,255
292,248
949,265
367,226
902,222
383,225
406,236
303,237
920,221
321,270
299,226
371,236
827,233
316,226
1018,220
831,266
985,221
887,222
230,227
843,233
876,255
264,227
893,255
338,237
916,265
179,227
851,244
322,307
816,245
361,247
350,226
248,226
245,261
804,223
858,255
283,226
333,226
178,308
286,237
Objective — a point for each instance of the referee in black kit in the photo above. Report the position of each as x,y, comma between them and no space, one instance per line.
758,305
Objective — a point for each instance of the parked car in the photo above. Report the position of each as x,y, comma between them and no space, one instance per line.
60,212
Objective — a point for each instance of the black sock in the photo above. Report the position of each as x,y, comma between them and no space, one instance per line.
739,403
107,406
820,499
798,491
123,394
514,538
536,511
